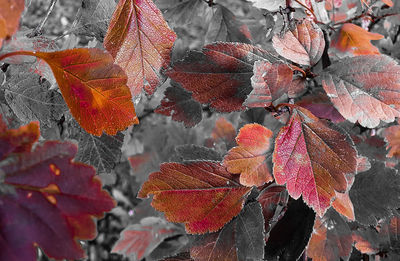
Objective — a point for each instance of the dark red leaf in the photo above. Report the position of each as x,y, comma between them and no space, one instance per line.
312,158
178,103
220,74
54,199
139,38
176,187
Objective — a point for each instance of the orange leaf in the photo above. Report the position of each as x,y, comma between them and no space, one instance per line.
303,45
343,205
140,40
354,39
250,157
201,194
388,2
392,136
312,157
10,13
93,87
224,132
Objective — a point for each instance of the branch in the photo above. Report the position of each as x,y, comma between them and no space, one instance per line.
38,30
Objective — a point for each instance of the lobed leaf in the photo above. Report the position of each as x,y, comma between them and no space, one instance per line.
249,159
354,39
303,45
139,38
364,89
312,158
54,199
220,74
215,191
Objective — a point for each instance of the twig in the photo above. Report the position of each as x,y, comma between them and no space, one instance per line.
363,14
38,30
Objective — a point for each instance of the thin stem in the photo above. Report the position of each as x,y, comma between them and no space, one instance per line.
38,30
6,55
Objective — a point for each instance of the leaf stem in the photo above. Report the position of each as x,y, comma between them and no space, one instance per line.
38,30
4,56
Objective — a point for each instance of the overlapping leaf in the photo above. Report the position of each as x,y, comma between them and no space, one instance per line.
375,193
303,45
343,205
240,239
225,27
364,89
312,158
93,87
181,12
220,74
223,132
178,103
354,39
270,81
139,39
392,136
54,199
139,240
249,159
10,13
176,187
331,239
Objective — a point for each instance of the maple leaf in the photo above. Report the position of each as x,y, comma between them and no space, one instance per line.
93,88
392,136
224,26
354,39
240,239
312,158
176,186
249,159
10,13
178,103
53,200
220,74
331,239
138,241
303,45
94,18
139,38
364,89
270,81
375,193
289,237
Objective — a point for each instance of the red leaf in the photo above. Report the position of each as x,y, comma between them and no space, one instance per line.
312,158
303,45
273,200
54,202
392,136
178,103
93,87
220,74
10,13
331,239
249,159
225,27
138,241
343,205
217,196
364,89
139,39
270,81
354,39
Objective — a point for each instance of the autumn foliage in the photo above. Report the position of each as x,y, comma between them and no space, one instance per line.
268,130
